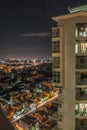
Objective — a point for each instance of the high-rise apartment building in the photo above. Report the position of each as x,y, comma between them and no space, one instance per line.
69,56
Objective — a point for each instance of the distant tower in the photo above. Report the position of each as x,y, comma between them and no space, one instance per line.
69,56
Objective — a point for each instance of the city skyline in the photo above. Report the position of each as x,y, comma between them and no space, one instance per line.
20,18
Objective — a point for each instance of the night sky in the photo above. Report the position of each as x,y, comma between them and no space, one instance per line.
33,17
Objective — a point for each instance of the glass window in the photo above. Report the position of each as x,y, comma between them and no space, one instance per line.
81,46
81,30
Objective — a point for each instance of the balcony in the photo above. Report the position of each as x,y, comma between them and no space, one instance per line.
56,62
56,47
81,30
60,100
81,128
81,66
81,94
81,124
57,50
60,118
56,77
81,62
81,81
81,78
60,97
82,114
81,111
60,115
55,32
81,47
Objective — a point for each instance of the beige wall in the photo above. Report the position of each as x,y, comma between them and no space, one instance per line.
69,71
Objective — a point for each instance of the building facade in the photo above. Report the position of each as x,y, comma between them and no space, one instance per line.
69,67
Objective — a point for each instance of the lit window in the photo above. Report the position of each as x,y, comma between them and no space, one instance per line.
81,30
76,48
81,109
80,46
86,29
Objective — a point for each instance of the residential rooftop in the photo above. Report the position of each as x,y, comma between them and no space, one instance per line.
73,12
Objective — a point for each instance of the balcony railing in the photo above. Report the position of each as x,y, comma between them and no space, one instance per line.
81,81
56,51
60,100
56,32
81,127
59,129
81,96
81,66
56,66
60,114
80,112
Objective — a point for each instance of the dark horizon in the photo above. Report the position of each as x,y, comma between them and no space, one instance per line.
29,17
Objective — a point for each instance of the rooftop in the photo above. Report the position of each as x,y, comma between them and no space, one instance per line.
74,12
78,9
